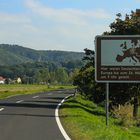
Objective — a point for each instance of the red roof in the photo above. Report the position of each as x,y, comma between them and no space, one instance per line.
1,78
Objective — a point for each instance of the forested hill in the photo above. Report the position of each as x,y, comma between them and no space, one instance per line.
15,54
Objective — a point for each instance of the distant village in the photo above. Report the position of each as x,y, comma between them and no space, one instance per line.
10,81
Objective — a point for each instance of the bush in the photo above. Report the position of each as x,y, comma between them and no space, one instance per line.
124,113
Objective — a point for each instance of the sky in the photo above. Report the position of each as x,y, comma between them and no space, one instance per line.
69,25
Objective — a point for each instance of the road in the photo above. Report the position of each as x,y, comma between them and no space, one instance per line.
31,117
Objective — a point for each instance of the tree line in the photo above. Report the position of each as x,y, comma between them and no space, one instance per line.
41,72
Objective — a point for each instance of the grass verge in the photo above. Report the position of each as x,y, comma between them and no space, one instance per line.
84,120
10,90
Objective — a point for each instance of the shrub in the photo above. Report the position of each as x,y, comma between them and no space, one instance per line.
124,113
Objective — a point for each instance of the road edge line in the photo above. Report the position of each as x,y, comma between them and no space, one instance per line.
58,119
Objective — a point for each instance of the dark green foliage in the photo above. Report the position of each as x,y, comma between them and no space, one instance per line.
85,79
119,93
122,93
130,25
14,54
54,67
38,72
85,82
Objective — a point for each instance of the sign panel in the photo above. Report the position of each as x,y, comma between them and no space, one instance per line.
117,59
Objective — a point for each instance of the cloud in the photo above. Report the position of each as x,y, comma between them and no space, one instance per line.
43,27
13,18
66,15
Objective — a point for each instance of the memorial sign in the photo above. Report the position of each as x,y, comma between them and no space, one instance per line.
117,58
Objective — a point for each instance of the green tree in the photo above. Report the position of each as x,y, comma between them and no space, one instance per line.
120,93
85,79
130,25
61,76
37,77
52,77
45,75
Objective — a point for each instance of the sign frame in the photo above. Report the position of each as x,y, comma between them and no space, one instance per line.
98,56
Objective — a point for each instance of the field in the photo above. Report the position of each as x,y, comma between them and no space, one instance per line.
84,120
11,90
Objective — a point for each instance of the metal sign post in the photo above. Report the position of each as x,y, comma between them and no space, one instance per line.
107,103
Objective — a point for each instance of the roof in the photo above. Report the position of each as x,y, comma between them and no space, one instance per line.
1,78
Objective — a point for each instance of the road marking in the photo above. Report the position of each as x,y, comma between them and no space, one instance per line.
35,97
1,109
49,93
58,120
19,101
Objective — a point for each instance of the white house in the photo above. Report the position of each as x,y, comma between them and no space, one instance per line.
2,80
19,80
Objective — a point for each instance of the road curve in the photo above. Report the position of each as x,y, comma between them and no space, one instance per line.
31,117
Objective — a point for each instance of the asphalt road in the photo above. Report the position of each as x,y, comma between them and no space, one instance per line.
31,117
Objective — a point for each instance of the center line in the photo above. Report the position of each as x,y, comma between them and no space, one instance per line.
35,97
1,109
19,101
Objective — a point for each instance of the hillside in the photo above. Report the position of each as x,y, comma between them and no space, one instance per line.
14,54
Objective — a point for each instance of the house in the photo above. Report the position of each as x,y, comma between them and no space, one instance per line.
18,80
2,80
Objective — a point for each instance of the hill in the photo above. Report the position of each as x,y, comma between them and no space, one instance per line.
15,54
36,66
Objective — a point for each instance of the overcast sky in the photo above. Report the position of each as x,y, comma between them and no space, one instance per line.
69,25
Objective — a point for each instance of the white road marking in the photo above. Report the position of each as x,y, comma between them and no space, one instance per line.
35,97
58,120
1,109
49,93
19,101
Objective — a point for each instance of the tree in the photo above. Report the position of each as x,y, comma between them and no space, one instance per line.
85,79
127,26
120,93
130,25
61,76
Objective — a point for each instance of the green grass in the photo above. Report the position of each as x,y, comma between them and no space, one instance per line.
15,89
84,120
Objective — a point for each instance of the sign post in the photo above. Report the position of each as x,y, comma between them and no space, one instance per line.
117,61
107,103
